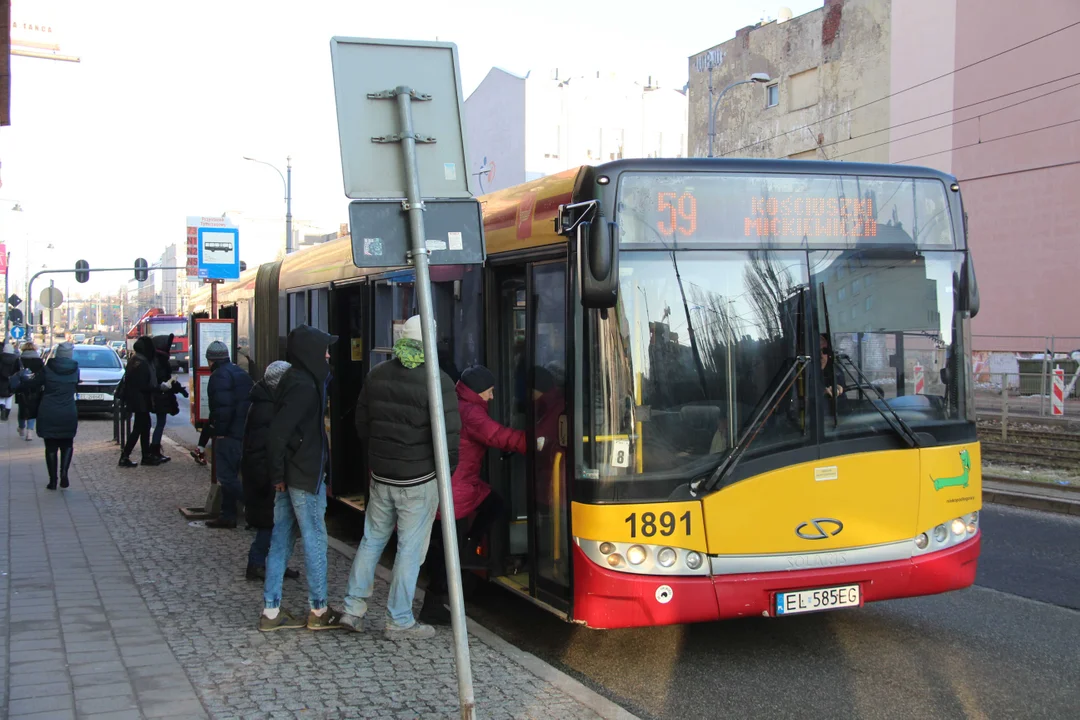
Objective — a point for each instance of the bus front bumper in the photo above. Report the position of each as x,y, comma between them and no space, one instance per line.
608,599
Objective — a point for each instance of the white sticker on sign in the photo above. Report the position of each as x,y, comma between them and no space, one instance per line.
620,453
455,240
436,245
450,171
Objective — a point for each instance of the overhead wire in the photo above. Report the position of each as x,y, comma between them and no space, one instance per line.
907,89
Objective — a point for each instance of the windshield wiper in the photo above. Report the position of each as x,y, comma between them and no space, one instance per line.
779,391
902,428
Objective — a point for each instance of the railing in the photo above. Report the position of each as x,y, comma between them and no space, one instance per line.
1019,397
121,421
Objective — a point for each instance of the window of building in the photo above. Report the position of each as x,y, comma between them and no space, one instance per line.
803,89
772,95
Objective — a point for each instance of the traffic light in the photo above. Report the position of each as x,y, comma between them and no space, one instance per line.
15,315
141,273
243,266
82,269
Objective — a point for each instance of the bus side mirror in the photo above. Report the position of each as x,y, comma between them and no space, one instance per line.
598,264
969,287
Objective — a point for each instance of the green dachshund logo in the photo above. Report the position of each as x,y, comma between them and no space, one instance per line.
960,480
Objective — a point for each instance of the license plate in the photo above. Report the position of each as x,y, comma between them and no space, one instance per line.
804,601
93,396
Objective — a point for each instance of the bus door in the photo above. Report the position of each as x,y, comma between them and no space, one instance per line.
528,357
348,320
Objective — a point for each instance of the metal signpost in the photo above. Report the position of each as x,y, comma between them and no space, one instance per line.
376,83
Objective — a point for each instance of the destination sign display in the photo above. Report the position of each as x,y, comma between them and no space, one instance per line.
815,210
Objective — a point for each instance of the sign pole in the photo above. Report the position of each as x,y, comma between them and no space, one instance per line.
419,257
48,334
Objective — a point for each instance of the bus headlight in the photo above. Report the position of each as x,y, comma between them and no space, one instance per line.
666,557
614,560
607,548
959,527
636,555
922,541
693,560
940,534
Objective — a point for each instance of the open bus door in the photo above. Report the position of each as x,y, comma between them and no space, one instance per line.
529,552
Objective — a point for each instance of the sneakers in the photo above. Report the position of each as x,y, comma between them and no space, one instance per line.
416,631
352,622
329,620
221,523
284,621
197,456
20,430
125,462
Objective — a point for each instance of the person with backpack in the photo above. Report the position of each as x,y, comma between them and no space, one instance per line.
28,398
58,418
258,490
9,366
163,401
139,381
228,394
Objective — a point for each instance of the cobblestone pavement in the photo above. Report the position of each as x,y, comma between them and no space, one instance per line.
191,581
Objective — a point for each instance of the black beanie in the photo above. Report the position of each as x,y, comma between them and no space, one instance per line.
478,378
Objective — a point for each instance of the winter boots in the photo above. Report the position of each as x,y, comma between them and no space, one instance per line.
156,450
125,462
65,464
50,462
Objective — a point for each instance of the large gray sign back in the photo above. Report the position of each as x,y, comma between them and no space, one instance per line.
380,232
375,169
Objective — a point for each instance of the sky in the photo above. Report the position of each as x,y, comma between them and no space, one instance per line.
107,157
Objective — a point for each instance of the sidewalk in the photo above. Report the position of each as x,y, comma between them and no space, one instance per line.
115,607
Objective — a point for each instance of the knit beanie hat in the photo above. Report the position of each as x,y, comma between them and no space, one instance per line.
65,350
411,331
217,351
274,372
478,378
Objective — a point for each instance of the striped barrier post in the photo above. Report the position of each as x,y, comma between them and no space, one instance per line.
920,382
1057,393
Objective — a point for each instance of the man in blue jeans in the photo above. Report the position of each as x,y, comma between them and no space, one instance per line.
298,462
393,418
227,390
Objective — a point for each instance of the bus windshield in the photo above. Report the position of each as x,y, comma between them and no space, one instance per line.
701,337
176,326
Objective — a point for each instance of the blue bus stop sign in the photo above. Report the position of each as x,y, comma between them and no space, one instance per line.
18,332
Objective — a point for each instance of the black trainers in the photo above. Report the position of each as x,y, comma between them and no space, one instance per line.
221,524
125,462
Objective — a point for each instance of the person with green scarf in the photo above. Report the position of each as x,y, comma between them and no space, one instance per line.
394,422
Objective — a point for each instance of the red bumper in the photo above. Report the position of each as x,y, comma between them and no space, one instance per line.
607,599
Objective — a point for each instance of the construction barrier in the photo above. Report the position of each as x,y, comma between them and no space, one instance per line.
920,381
1057,393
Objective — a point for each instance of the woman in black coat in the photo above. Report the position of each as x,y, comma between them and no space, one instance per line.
9,365
163,401
58,418
140,379
29,398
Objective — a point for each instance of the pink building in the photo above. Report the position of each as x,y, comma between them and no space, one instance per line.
1005,120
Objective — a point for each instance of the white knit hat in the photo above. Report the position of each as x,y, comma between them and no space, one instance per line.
411,331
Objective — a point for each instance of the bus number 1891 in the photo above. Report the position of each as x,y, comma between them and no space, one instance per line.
648,523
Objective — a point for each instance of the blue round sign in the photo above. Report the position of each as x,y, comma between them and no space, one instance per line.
18,332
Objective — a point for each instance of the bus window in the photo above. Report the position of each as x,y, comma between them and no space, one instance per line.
297,310
320,309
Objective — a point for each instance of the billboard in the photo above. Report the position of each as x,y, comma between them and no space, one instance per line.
43,29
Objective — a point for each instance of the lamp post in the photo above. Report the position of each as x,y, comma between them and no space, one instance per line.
288,198
715,105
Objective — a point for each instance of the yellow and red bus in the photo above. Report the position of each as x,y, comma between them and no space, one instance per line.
746,383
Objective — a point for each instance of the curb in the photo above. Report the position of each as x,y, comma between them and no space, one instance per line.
1031,502
578,691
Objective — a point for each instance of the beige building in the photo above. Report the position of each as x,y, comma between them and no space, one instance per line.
821,64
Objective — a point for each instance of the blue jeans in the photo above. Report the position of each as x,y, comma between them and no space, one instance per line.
227,454
412,510
260,548
159,427
298,510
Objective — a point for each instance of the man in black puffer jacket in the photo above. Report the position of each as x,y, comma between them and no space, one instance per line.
298,459
140,378
228,394
258,490
394,420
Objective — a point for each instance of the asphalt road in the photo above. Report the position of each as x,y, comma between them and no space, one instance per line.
179,427
1006,648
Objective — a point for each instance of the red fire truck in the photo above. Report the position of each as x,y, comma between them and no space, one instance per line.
155,322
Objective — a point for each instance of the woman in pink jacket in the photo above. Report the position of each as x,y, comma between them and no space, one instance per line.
479,432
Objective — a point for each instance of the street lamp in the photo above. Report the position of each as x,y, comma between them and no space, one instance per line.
288,198
715,105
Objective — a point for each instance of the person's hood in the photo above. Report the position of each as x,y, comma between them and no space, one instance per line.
9,349
62,366
306,348
144,346
163,343
30,354
466,394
